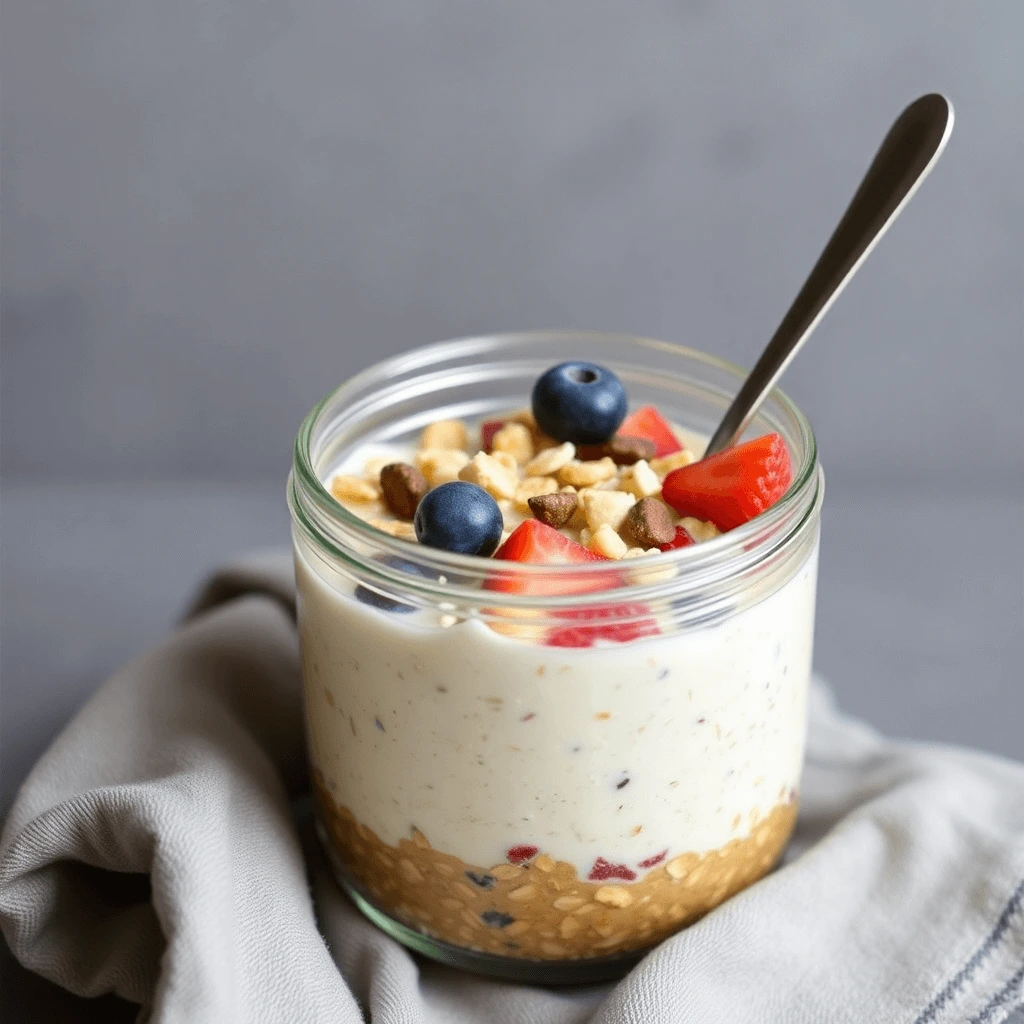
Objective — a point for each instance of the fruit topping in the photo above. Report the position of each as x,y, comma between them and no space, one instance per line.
459,517
648,524
603,870
521,854
579,402
487,431
681,539
538,544
732,487
630,622
646,422
554,509
403,486
654,861
388,604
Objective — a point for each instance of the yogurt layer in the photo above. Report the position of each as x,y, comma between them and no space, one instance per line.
671,744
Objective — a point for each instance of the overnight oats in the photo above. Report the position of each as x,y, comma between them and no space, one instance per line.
555,663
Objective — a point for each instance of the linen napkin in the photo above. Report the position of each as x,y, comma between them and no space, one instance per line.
154,852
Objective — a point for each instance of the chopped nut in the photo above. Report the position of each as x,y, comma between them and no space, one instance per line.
515,439
544,863
648,524
524,892
441,465
420,839
606,507
444,434
532,487
506,460
607,542
667,463
551,460
403,531
568,902
554,509
569,927
641,480
637,553
585,535
526,417
403,486
613,896
488,472
354,488
409,870
698,529
623,451
506,871
586,474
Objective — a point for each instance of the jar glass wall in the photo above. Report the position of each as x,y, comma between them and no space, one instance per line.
535,811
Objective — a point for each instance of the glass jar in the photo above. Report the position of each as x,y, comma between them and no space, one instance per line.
523,806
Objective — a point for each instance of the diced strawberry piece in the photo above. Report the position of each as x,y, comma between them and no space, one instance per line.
682,539
521,854
654,861
589,628
487,431
539,544
603,870
732,487
536,542
647,422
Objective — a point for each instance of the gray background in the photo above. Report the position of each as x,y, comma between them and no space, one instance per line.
215,211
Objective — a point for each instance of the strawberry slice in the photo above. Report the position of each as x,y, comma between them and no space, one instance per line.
588,627
648,423
682,539
732,487
539,544
487,431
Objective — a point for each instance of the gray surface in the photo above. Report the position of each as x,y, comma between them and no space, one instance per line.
215,210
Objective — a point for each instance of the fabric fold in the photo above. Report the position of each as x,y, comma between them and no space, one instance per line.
154,852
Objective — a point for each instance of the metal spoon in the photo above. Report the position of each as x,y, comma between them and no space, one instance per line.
915,141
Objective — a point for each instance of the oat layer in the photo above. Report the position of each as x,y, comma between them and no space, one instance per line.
541,909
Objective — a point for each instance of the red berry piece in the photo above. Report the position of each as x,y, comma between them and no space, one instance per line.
521,854
539,544
732,487
654,861
682,539
487,432
648,423
588,626
603,870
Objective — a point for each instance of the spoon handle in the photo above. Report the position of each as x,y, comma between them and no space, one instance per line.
907,154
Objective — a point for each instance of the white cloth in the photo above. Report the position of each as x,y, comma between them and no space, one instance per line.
153,852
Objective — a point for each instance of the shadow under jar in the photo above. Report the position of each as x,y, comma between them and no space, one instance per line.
537,812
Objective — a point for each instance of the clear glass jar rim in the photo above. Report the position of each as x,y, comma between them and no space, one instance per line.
318,513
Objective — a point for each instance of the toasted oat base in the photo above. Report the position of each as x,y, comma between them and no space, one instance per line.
541,909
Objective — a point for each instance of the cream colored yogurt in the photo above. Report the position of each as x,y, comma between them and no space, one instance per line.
675,743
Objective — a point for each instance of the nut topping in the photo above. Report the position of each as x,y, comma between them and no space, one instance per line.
553,509
623,451
403,486
648,524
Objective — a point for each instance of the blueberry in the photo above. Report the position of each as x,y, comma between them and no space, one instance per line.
389,604
496,919
579,402
459,517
